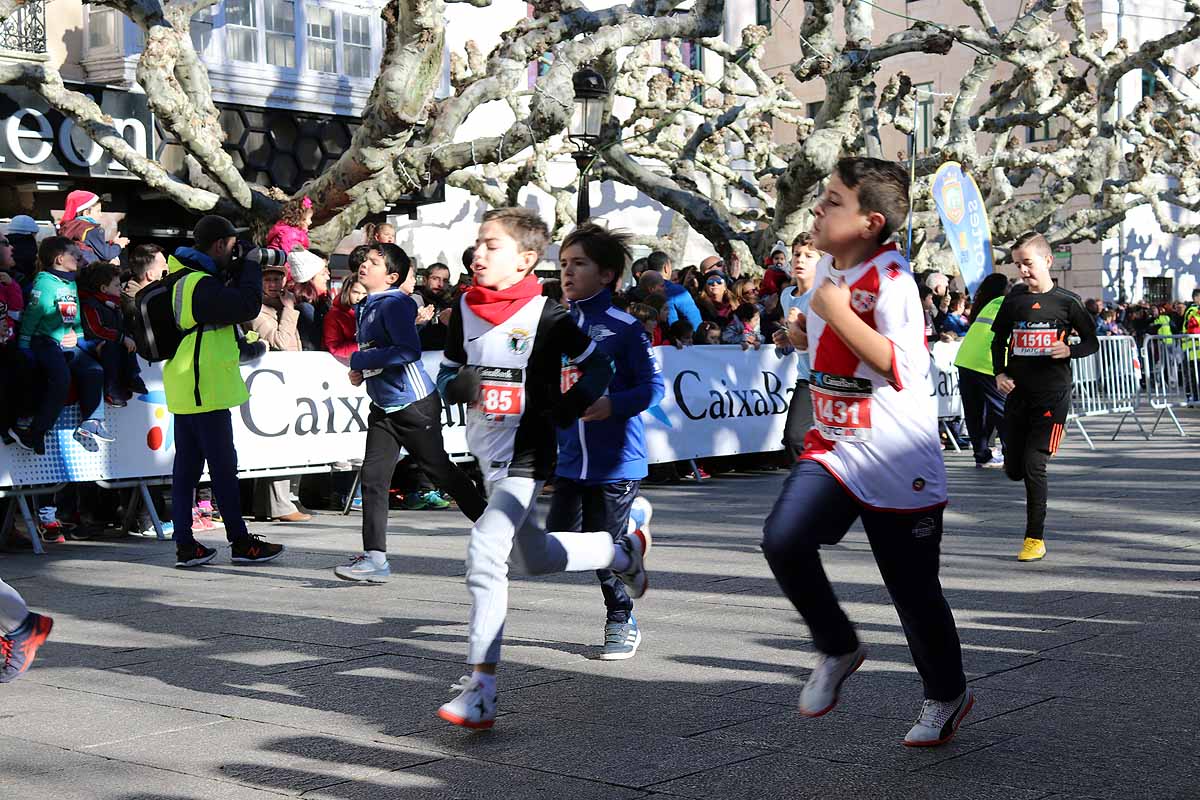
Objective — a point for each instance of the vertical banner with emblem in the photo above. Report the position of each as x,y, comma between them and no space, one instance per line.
965,221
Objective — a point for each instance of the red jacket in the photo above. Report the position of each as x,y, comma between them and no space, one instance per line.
341,332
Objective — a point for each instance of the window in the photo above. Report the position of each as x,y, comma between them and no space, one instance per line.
280,19
923,131
101,28
356,45
762,12
1149,83
241,30
1157,290
202,31
322,41
1040,133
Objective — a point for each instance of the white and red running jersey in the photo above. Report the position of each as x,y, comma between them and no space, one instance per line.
876,434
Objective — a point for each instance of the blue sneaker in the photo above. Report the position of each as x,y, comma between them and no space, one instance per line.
147,530
93,429
621,640
17,649
362,569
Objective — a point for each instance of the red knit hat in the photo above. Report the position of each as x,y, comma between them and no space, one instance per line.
77,201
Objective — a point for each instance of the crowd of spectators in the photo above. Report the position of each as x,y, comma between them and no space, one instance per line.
67,305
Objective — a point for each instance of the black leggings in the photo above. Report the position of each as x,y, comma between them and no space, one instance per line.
418,429
1035,423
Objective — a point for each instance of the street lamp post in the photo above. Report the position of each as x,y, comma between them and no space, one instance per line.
586,121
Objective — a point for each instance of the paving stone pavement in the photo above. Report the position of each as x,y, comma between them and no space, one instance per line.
250,683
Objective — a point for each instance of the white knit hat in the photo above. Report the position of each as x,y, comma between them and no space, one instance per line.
304,265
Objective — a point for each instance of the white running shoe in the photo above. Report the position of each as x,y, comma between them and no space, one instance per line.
361,568
820,693
939,721
639,515
474,708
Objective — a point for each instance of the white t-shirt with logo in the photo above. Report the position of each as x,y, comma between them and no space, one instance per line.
876,434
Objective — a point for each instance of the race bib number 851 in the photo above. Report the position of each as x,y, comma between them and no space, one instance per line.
501,392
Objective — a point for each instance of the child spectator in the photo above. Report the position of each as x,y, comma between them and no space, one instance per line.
777,274
52,331
310,285
22,236
86,231
383,233
927,301
341,324
707,333
1107,325
648,316
291,230
954,321
681,333
15,397
744,328
104,329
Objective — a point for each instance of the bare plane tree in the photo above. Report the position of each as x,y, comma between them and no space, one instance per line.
702,149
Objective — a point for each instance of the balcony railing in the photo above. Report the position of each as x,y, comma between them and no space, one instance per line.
25,30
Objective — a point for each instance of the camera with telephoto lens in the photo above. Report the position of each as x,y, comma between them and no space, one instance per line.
247,252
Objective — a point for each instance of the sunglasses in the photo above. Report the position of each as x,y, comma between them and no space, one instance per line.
714,281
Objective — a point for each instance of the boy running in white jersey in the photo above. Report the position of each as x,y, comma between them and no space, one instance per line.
504,354
873,452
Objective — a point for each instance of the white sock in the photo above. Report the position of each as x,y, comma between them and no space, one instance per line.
378,557
486,679
621,560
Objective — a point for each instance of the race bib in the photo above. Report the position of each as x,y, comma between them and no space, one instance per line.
1033,342
69,311
570,377
501,392
841,407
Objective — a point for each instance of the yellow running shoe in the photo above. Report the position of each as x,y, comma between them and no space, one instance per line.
1032,550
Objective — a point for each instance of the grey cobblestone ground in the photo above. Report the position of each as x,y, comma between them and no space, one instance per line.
246,684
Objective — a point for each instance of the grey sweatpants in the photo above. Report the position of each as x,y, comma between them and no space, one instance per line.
510,519
12,608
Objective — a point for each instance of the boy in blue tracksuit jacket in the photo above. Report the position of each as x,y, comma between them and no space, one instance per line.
406,410
602,457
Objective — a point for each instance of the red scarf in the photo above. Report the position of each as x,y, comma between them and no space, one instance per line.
497,305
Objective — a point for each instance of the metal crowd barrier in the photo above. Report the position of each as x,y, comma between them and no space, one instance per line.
1172,375
1107,383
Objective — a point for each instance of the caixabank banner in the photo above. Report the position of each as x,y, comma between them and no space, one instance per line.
303,412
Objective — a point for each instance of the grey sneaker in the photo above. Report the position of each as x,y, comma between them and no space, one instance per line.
820,693
621,640
362,569
93,429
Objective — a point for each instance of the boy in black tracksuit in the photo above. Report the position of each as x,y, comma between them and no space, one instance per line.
1033,368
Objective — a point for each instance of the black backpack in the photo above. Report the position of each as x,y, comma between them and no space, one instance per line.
154,327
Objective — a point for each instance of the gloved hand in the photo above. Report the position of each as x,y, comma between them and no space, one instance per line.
464,387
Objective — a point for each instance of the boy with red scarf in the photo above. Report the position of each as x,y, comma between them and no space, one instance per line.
504,356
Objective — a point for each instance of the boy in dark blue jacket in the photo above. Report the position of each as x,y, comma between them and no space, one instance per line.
406,410
602,457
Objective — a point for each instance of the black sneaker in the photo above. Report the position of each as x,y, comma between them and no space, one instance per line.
253,549
193,555
28,440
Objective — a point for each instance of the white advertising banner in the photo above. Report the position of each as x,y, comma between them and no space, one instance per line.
943,379
303,412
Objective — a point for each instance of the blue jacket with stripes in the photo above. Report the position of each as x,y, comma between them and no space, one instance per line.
613,449
389,350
